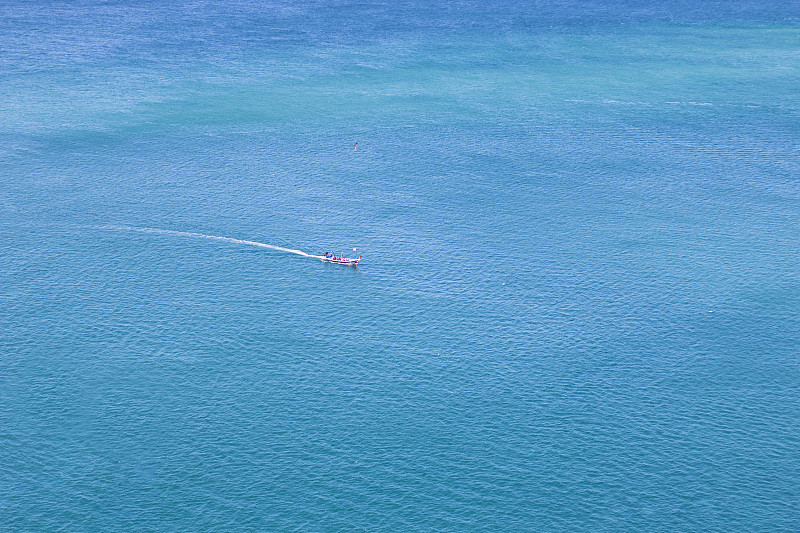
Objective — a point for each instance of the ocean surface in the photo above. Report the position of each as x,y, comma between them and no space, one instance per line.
578,307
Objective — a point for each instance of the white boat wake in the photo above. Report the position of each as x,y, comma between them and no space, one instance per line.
212,237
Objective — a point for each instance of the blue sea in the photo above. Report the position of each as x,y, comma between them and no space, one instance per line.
578,307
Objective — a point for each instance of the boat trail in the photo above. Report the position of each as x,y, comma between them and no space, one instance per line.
213,237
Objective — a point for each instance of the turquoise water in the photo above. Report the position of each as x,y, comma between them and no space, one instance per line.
578,306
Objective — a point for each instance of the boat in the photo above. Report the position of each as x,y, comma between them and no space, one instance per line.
330,257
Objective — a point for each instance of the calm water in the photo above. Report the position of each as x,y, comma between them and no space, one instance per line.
578,307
